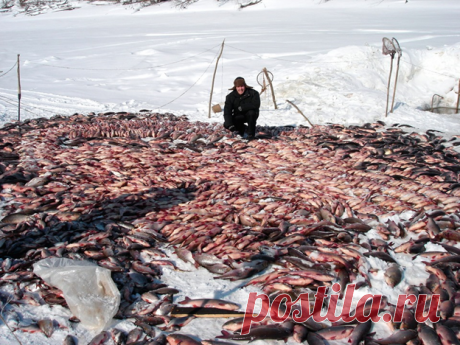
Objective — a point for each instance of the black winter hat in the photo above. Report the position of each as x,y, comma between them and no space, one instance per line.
239,81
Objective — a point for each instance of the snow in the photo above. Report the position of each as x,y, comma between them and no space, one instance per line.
325,56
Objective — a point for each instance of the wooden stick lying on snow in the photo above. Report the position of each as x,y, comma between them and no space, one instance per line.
250,3
300,112
205,312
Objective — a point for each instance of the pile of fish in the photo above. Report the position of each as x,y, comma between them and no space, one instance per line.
287,213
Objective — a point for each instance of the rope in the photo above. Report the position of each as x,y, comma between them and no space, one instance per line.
10,101
126,69
9,70
25,105
426,69
264,88
183,93
222,81
203,52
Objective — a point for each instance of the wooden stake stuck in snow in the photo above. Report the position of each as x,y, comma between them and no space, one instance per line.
271,86
19,91
399,51
214,77
388,49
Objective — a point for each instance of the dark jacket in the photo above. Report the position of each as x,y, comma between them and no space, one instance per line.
249,100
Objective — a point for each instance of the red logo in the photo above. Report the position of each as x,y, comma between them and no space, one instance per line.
367,308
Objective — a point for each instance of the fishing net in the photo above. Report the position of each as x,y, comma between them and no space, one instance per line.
396,45
388,47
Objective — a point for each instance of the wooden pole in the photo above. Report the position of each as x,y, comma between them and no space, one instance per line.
214,77
19,90
398,50
389,80
458,95
396,82
264,86
205,312
432,100
271,87
299,112
250,3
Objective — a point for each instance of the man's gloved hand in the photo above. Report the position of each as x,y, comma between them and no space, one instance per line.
232,128
240,109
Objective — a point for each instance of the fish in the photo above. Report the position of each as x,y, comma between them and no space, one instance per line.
185,255
16,218
159,340
176,323
233,324
121,189
181,339
300,333
446,335
144,268
398,337
100,339
118,336
393,275
360,332
315,274
216,342
209,303
315,339
275,332
428,335
330,257
46,325
137,334
38,181
69,340
165,291
381,255
204,259
245,272
446,309
408,320
335,332
432,228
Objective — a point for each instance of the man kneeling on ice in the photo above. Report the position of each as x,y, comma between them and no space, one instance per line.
242,106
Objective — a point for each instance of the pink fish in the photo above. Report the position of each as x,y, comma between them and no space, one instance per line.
209,303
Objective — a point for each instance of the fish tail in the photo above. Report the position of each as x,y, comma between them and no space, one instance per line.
185,301
225,335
